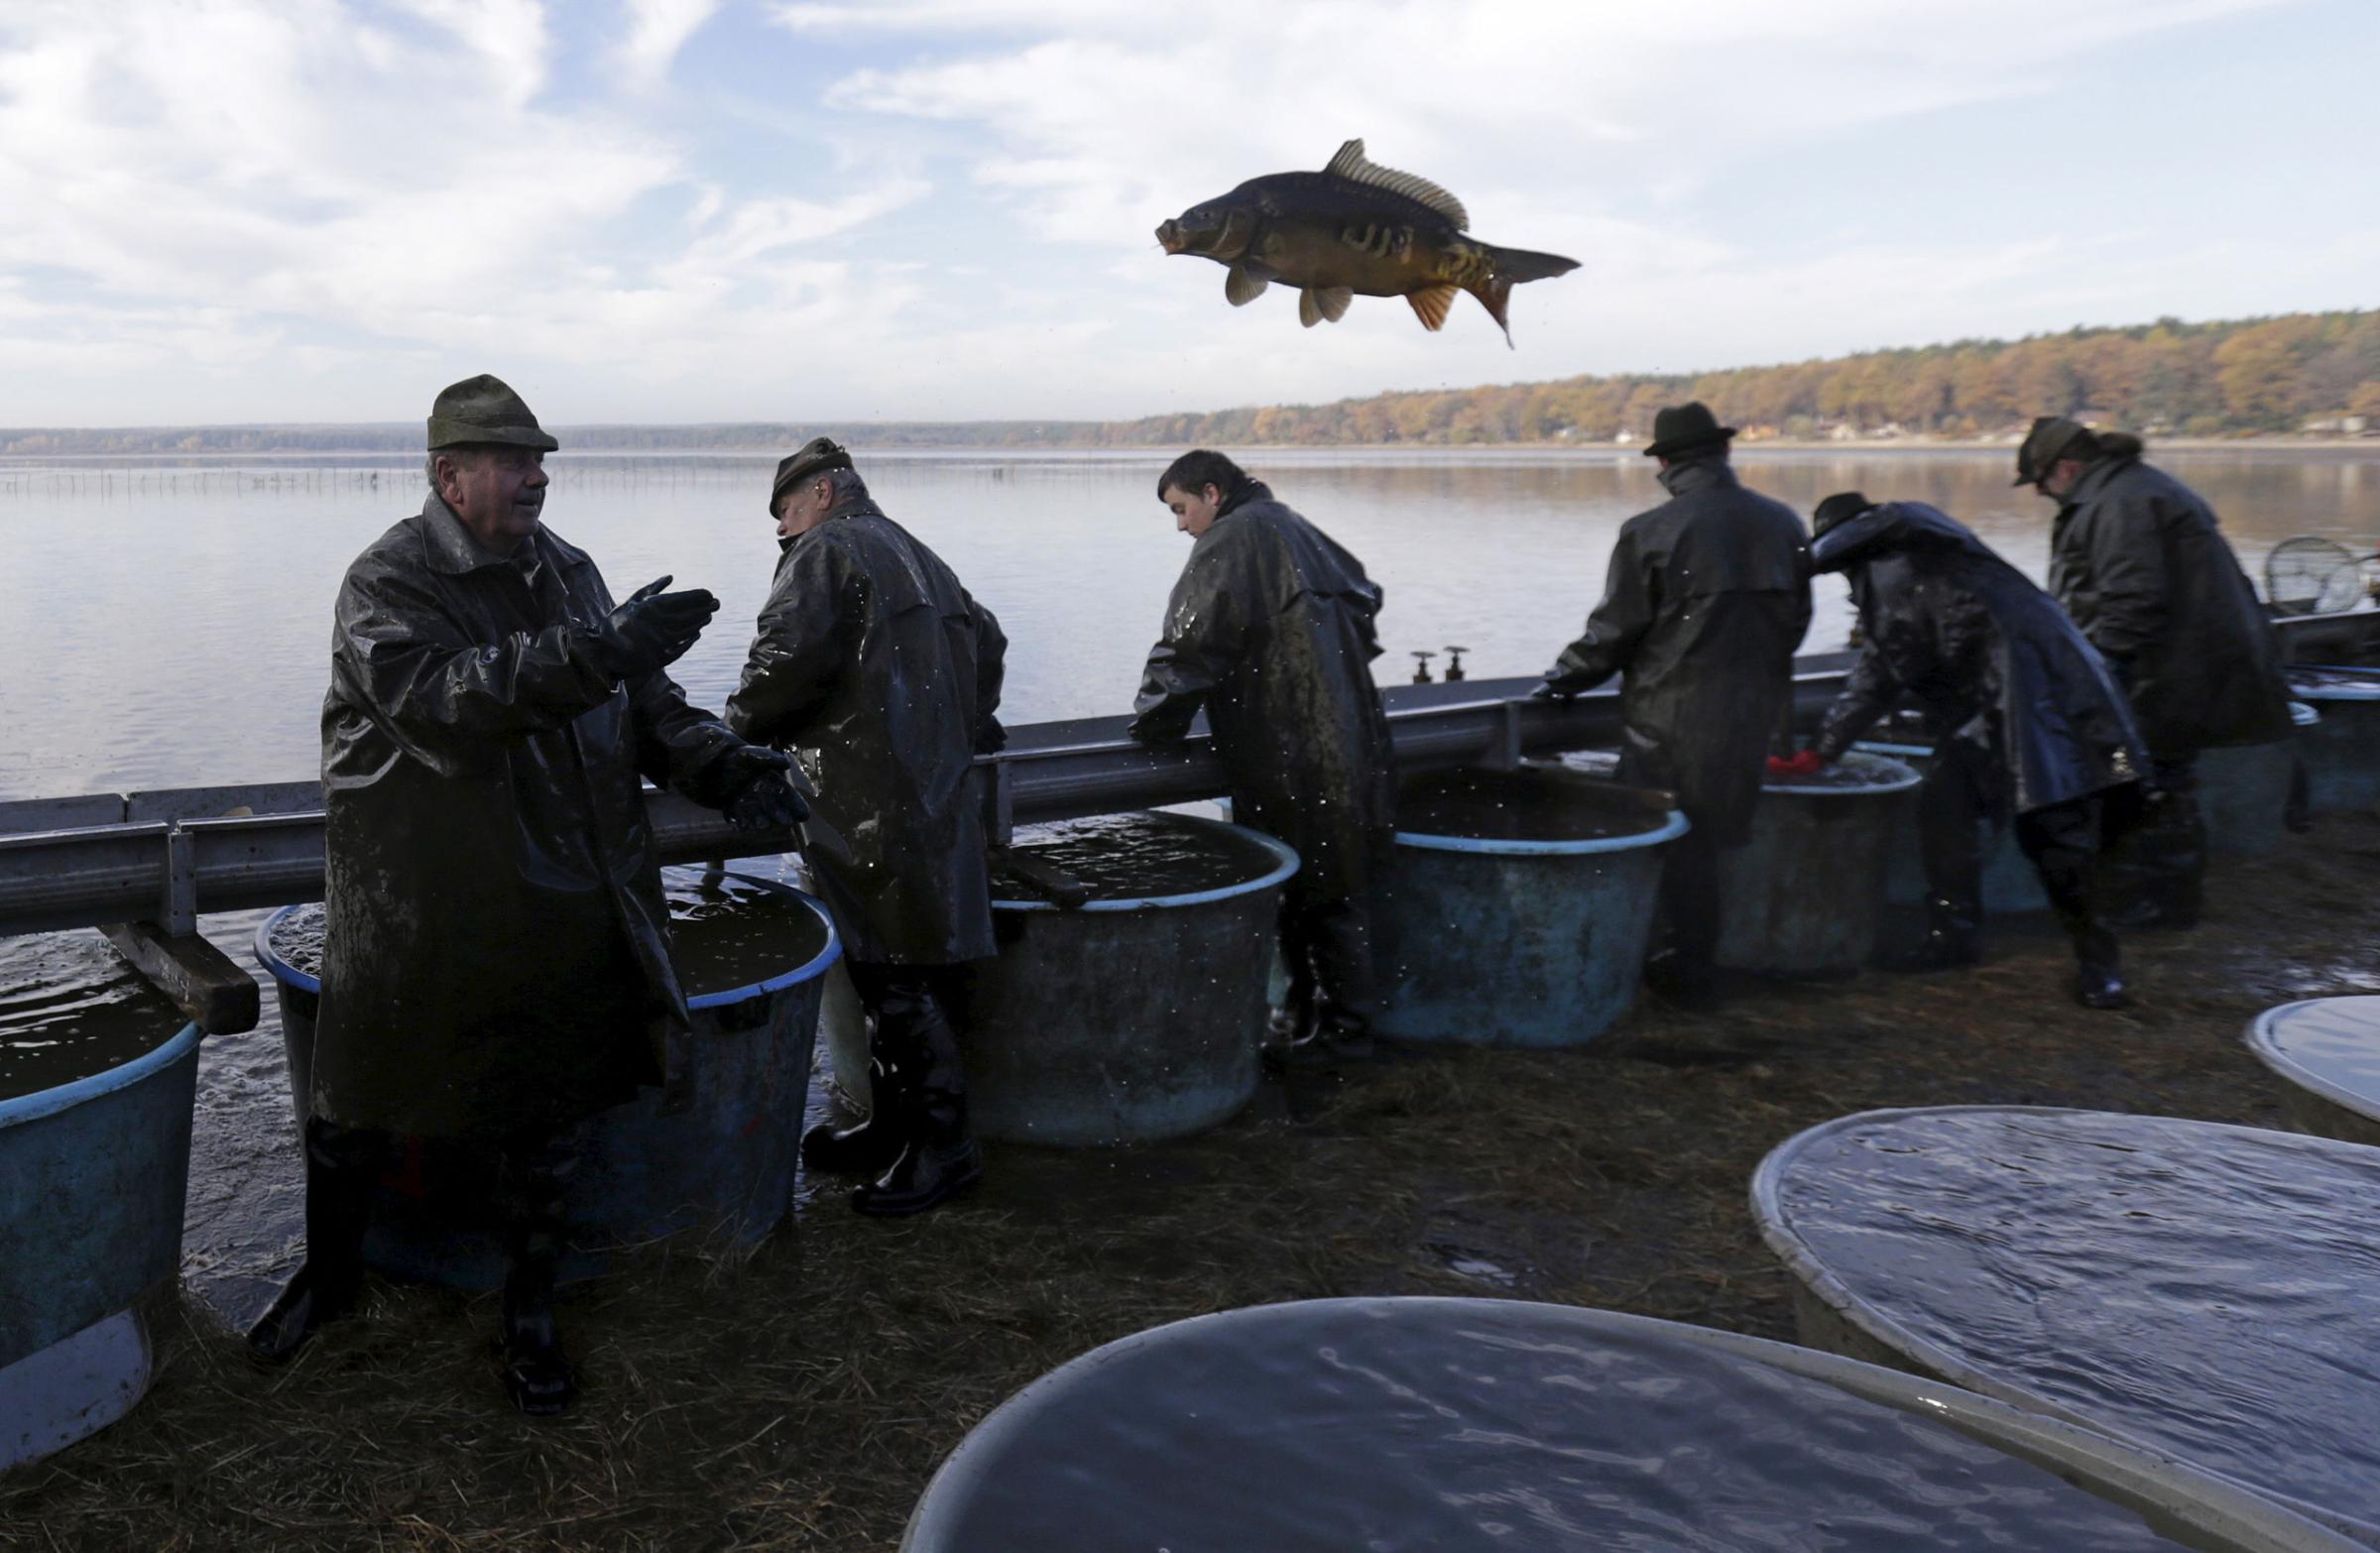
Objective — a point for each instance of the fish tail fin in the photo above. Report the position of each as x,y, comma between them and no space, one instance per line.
1494,293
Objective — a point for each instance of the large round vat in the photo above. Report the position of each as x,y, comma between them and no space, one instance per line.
1805,895
2199,1290
92,1174
2010,883
1518,906
2342,751
1136,1015
2326,1052
714,1152
1464,1426
2243,790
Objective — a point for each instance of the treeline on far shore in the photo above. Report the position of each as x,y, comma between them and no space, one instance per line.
2304,374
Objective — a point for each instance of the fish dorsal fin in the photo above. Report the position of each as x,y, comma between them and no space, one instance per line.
1430,304
1351,164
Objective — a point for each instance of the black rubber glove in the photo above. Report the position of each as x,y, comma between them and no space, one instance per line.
1546,691
761,793
653,630
989,737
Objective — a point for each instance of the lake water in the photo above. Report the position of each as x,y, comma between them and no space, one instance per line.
167,624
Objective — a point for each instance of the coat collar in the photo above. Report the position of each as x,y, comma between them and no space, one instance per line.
2095,478
856,507
451,550
1698,474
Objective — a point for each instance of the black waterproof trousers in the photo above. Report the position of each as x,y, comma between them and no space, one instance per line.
909,1027
2061,840
1327,949
2157,846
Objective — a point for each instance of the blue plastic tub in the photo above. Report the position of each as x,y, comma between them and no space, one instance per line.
2342,751
1805,895
92,1176
719,1159
2009,881
1529,939
2243,790
1122,1020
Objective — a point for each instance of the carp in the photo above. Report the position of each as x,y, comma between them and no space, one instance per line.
1354,227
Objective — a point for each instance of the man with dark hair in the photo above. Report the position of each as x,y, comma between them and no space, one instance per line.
2026,722
1704,600
881,675
1270,629
2138,561
497,968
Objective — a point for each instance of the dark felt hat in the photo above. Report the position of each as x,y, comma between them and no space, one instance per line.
1682,426
484,410
1840,507
817,457
2053,437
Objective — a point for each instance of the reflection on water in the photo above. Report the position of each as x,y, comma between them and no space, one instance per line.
1439,1424
2207,1289
168,627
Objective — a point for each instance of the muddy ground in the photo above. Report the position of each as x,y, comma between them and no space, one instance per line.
801,1399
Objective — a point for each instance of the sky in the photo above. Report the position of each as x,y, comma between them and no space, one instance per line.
703,210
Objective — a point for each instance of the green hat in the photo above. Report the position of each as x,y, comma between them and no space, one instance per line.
2053,437
484,410
817,457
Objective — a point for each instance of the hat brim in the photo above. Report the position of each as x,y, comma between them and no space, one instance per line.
444,433
793,477
1719,438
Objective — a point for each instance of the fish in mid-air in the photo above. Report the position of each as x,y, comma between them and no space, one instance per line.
1354,227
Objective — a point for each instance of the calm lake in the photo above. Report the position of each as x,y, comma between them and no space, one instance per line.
167,624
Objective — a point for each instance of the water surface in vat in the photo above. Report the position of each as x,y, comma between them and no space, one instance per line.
2207,1289
2303,679
1128,857
69,1007
724,932
2333,1039
1397,1426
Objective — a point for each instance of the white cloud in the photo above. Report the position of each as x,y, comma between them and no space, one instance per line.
658,30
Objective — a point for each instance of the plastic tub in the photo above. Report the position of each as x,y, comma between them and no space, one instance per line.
1518,906
2199,1290
92,1174
2342,751
1805,895
2328,1051
1465,1425
1135,1016
2010,884
2243,790
720,1159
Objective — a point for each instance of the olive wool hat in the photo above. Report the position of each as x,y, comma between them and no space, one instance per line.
817,457
484,410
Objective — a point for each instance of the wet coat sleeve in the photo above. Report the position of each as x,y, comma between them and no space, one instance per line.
1205,637
801,645
2128,579
991,658
1869,693
1615,627
404,658
679,744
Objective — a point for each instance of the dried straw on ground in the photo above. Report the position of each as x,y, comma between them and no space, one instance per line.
801,1399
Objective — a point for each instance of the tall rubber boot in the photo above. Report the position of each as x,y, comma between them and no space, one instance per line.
2098,963
537,1375
1953,929
343,1165
939,1155
869,1146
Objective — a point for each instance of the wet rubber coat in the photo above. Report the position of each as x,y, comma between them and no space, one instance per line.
717,1154
1523,942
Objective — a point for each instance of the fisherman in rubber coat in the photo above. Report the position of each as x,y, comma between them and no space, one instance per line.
1704,600
2026,722
877,670
2138,561
1270,629
496,964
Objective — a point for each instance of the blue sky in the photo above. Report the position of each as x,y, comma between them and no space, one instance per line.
678,210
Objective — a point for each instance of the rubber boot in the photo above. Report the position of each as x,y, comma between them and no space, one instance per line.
869,1146
536,1372
2098,962
342,1169
1951,923
939,1155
